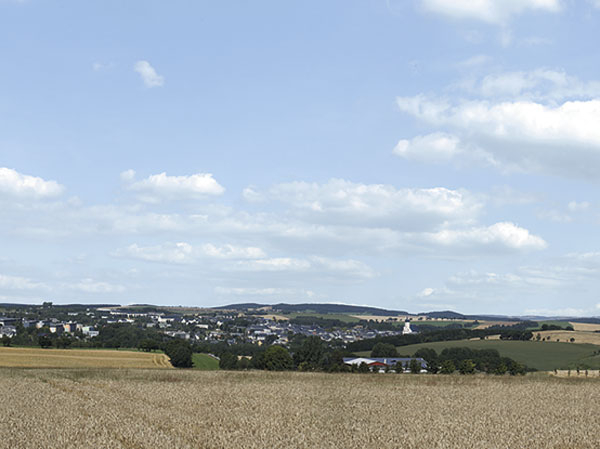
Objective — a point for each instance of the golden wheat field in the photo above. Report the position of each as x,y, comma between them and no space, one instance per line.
80,358
191,409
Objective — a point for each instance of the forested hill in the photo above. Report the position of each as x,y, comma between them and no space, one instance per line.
315,308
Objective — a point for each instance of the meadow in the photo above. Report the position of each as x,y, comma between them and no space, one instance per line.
217,409
80,358
205,362
543,356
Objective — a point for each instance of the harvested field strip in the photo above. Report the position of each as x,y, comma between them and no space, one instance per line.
578,336
194,409
79,358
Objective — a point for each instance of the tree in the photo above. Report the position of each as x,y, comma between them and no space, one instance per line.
6,340
148,345
63,342
180,353
277,358
414,366
363,368
258,360
44,341
515,368
310,354
448,367
501,369
243,364
384,350
228,361
467,367
431,357
398,368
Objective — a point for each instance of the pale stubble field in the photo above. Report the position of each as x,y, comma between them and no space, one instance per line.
187,409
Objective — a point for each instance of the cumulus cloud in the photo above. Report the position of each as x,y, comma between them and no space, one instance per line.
521,135
502,235
490,11
343,202
13,183
436,147
183,253
161,186
232,252
541,84
148,74
325,267
180,252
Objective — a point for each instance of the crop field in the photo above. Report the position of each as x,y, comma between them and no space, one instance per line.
543,356
578,336
199,409
586,327
80,358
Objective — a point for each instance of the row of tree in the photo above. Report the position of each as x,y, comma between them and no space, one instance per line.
469,361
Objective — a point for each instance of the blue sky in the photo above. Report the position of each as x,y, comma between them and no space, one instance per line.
416,155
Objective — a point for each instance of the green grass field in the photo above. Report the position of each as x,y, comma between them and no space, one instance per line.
543,356
205,362
562,324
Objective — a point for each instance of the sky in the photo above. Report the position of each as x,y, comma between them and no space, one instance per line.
415,155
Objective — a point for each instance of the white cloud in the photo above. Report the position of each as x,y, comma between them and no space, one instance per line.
436,147
501,235
540,84
351,204
16,184
322,266
180,252
100,66
127,175
90,285
20,283
251,195
276,264
574,206
490,11
349,267
160,186
521,135
148,74
232,252
573,210
427,292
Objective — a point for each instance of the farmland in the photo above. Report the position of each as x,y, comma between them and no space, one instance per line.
80,358
205,362
542,356
196,409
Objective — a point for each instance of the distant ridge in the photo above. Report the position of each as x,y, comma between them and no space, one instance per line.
315,308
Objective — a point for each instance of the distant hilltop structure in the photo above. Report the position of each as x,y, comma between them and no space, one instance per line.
407,329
